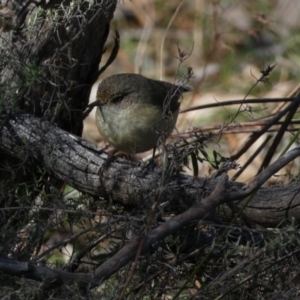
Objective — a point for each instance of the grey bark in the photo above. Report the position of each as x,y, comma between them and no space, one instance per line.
47,72
81,165
46,63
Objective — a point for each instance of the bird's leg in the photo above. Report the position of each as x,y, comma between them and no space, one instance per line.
153,153
151,164
109,159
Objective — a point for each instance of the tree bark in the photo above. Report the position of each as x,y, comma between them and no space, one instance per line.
49,61
49,68
81,164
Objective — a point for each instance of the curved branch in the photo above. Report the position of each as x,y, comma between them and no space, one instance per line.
38,273
80,164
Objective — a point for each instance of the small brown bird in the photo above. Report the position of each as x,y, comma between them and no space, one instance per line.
134,112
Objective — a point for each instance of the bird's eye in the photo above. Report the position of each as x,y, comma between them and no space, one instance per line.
117,99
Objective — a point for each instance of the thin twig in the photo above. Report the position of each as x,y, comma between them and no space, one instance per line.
243,148
236,102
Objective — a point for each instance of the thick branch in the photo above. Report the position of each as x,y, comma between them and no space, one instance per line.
63,49
79,163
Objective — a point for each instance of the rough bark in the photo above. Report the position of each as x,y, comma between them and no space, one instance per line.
82,165
47,72
48,66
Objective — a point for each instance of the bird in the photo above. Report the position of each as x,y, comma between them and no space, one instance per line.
134,113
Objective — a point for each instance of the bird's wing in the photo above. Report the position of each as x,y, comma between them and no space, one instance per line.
166,94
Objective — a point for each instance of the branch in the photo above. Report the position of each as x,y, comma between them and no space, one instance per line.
80,164
125,255
243,148
44,274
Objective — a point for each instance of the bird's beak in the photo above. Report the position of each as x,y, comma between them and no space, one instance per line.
90,108
94,104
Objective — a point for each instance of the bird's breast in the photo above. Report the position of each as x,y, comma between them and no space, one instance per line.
135,128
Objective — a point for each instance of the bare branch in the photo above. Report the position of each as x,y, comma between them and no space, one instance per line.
196,212
79,163
44,274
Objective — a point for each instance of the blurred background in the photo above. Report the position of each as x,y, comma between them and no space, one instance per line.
227,44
